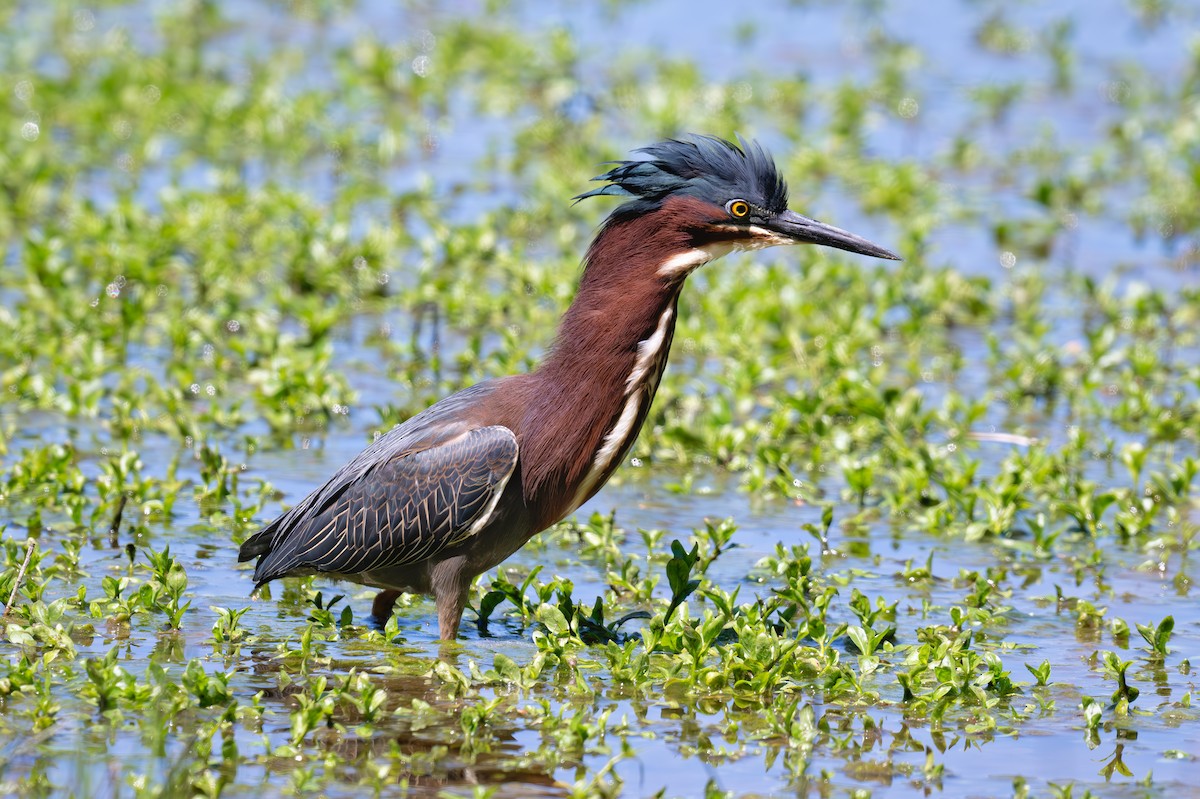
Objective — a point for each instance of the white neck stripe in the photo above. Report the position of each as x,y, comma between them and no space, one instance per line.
648,352
639,389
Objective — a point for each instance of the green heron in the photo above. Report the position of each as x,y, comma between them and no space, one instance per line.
461,486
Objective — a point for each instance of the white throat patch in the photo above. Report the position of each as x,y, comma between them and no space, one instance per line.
684,263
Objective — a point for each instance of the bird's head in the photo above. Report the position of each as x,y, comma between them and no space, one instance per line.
724,196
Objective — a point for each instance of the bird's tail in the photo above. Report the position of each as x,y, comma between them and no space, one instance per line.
258,544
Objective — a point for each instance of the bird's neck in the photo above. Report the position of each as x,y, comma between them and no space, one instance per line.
588,400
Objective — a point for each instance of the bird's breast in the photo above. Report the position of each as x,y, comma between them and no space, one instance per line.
640,386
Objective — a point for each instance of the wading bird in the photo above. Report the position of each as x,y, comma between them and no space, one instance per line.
461,486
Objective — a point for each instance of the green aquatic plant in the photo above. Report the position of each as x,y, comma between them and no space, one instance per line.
866,493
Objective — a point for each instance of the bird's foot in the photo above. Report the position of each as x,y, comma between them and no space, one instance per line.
381,608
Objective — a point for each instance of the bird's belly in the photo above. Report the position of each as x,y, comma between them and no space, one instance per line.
506,532
413,578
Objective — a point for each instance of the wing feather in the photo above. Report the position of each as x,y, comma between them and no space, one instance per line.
406,509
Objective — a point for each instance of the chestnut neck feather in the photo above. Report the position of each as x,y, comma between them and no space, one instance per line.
575,397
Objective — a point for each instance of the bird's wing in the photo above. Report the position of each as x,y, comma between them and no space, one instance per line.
405,507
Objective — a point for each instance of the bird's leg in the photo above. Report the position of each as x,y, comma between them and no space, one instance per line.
449,615
381,608
451,584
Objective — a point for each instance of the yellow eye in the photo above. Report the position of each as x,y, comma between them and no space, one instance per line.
737,208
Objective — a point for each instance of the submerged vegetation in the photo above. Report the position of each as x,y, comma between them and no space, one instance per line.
923,527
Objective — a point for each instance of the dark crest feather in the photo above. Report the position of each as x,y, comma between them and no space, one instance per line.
705,167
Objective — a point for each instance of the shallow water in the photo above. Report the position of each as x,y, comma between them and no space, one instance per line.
680,746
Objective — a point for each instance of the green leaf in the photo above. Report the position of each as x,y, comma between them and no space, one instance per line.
553,619
507,668
679,569
490,601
